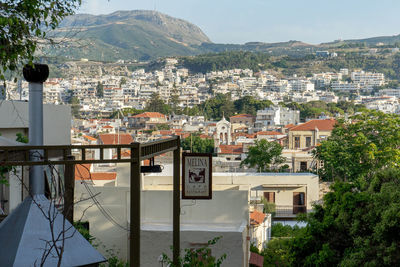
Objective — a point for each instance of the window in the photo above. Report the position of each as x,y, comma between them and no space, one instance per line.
297,142
308,141
299,202
303,166
269,196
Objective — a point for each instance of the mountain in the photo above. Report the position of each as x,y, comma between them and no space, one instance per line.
137,34
145,35
371,41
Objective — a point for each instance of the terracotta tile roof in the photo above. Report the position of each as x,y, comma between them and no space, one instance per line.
149,115
243,116
108,127
165,132
321,125
269,133
204,136
231,149
82,173
89,138
245,134
256,217
289,126
112,139
256,259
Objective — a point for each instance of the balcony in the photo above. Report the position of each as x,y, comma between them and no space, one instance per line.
289,211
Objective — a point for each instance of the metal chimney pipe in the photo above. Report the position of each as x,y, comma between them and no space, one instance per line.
36,75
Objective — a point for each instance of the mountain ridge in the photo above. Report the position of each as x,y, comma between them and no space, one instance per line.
145,35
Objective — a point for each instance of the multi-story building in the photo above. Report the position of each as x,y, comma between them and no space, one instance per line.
368,79
310,133
276,116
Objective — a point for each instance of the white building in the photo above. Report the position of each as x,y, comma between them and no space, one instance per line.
276,116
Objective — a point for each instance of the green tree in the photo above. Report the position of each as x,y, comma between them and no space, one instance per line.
200,257
196,144
357,225
75,106
265,156
358,148
156,104
100,90
122,82
24,23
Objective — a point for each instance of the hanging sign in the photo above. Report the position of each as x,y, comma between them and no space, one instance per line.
196,176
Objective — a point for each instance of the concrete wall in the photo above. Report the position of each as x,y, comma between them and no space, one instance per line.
284,184
14,118
225,215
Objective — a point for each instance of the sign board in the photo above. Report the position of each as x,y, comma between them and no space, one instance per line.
196,176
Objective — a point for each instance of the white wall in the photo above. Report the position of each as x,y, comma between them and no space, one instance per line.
14,118
225,215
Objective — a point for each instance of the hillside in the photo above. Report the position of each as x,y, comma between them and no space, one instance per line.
146,35
137,34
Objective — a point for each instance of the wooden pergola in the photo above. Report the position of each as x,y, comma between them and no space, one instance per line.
61,155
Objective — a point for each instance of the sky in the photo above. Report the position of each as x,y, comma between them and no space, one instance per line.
241,21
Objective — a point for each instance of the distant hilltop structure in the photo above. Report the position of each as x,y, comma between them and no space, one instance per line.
325,54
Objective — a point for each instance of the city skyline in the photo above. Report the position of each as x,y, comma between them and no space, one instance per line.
265,21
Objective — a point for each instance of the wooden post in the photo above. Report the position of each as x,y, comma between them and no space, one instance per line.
69,187
135,207
176,204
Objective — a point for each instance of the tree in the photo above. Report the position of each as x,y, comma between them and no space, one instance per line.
156,104
369,142
75,106
23,23
265,156
357,225
196,144
100,90
122,82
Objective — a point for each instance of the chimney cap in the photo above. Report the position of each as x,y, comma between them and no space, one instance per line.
36,73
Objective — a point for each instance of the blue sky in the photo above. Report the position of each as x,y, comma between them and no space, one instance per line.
240,21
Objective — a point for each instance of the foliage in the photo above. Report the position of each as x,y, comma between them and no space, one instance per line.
196,144
280,230
314,109
200,257
225,61
277,252
265,156
360,147
80,227
99,90
218,106
156,104
357,225
23,23
163,126
6,169
250,105
75,106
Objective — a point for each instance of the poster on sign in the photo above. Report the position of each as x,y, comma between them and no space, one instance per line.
196,176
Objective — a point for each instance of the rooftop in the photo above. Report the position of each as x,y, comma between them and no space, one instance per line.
321,125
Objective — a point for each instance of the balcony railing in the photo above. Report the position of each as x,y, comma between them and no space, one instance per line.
289,210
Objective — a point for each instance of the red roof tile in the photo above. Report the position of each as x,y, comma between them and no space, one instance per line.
82,173
89,138
269,133
112,139
108,127
149,115
243,116
321,125
256,217
231,149
289,126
